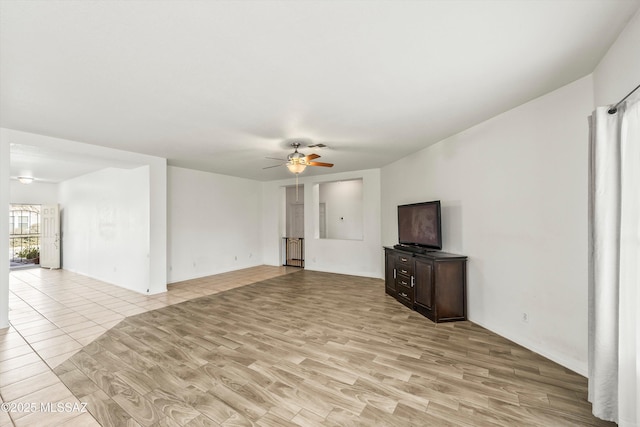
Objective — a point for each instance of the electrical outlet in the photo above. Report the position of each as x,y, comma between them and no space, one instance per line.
525,317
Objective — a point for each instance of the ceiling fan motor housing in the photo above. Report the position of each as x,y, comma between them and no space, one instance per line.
296,157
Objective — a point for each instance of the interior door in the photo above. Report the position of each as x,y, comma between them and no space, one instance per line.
297,221
50,237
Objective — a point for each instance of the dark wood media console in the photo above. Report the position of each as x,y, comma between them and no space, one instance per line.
433,283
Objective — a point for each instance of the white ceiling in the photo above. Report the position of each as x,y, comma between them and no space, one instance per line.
53,164
219,85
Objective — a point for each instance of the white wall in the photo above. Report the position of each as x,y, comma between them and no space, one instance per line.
4,230
514,200
36,193
619,70
213,224
156,269
158,225
357,257
344,215
105,226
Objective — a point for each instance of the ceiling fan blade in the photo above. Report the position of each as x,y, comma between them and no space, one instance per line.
275,158
311,157
274,166
326,165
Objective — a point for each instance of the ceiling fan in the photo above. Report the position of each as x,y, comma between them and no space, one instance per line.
298,162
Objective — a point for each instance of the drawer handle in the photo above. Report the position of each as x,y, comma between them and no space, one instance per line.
402,294
403,259
402,282
404,271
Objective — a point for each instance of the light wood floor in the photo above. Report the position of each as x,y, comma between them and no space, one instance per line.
312,348
54,313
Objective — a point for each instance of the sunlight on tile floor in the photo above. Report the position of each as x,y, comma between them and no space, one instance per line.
54,313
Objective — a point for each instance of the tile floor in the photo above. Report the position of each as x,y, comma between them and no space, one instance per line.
54,313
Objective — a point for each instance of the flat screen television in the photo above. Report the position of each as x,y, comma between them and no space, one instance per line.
419,225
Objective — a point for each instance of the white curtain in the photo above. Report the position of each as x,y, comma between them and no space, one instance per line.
614,264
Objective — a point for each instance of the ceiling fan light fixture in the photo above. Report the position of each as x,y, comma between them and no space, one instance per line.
296,167
297,162
25,179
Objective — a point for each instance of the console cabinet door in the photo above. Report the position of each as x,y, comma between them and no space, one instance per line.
450,293
390,273
424,289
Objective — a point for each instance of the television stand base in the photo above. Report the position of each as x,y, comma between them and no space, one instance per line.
432,283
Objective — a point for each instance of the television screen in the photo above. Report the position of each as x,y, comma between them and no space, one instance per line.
419,224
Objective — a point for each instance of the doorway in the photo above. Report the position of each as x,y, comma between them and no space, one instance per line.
24,236
293,242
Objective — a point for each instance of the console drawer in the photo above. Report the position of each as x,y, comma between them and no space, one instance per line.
404,265
405,295
403,280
